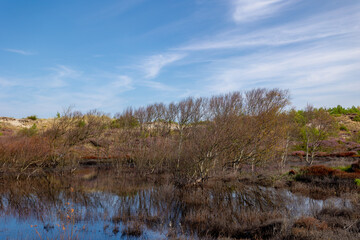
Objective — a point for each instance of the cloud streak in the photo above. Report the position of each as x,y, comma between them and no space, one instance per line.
19,51
61,74
252,10
152,65
306,71
341,23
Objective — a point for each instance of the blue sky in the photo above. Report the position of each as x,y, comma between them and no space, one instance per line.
112,54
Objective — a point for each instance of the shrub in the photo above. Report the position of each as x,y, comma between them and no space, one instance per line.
21,152
32,117
339,110
322,171
125,122
81,123
29,131
343,128
356,118
310,223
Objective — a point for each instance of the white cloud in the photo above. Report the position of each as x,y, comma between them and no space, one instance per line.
153,64
19,51
252,10
306,71
122,82
61,74
341,23
43,97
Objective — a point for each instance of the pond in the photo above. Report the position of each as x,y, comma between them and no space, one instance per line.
109,207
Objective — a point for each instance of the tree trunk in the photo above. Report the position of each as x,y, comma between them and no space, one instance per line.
307,152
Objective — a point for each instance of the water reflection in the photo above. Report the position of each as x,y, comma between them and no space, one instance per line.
118,207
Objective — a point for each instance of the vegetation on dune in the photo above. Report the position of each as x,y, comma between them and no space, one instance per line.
354,112
314,125
32,117
191,139
339,110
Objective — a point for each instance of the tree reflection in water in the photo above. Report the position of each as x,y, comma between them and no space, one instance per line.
111,207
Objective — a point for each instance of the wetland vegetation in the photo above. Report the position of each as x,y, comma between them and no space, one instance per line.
234,166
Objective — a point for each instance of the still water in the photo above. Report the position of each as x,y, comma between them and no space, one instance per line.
109,207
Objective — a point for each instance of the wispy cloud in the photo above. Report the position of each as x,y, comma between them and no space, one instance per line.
61,74
157,85
338,23
19,51
152,65
122,83
64,86
306,71
251,10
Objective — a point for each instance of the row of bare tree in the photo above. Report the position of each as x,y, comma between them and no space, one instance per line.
199,135
191,138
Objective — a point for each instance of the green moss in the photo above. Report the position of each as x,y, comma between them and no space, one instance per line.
344,168
357,181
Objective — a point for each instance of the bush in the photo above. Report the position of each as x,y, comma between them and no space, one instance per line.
343,128
125,122
356,118
29,131
323,171
339,110
21,152
32,117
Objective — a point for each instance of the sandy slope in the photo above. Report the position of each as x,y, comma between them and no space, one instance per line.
23,122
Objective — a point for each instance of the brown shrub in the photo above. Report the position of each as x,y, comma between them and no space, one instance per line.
310,223
312,191
298,153
339,218
24,152
322,171
344,154
336,212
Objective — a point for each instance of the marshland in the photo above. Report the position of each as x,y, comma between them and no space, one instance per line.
180,119
242,165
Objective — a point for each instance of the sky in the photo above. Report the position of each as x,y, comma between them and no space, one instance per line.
112,54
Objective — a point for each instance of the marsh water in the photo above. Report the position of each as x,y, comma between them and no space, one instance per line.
116,207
